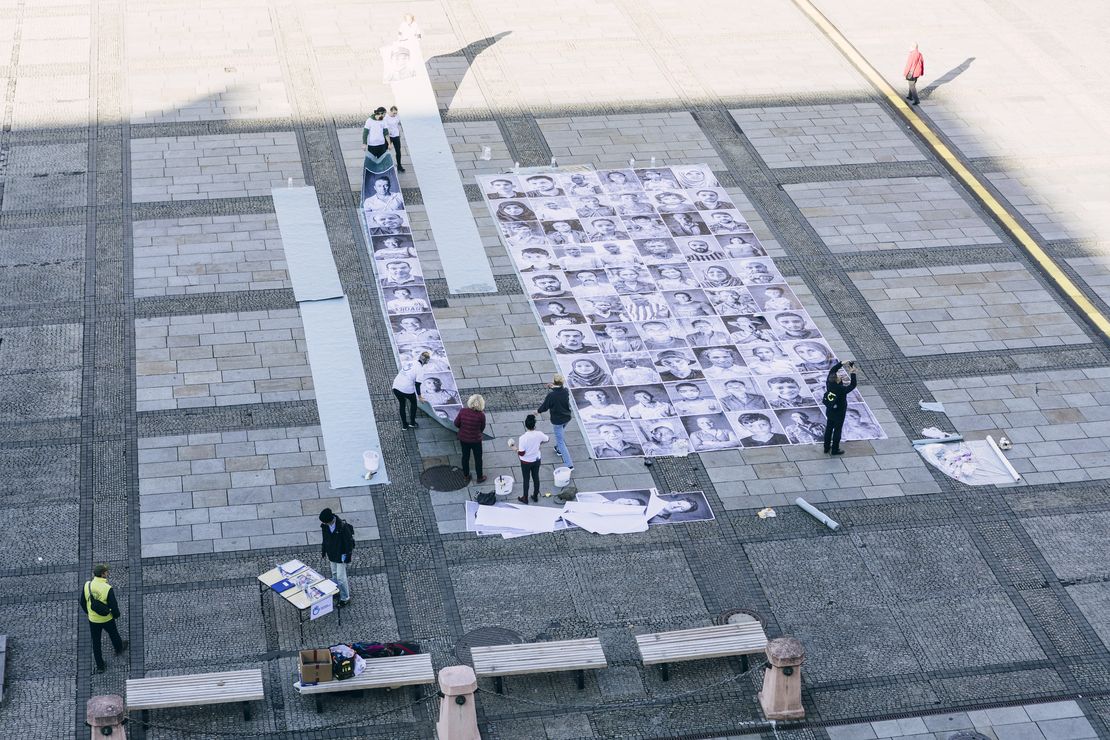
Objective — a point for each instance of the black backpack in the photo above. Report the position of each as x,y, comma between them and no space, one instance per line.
489,498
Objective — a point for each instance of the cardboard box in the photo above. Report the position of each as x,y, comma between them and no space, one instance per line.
315,666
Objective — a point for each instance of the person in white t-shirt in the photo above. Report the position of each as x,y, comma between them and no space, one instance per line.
374,133
528,449
393,119
406,387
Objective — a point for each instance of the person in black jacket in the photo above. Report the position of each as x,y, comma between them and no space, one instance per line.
557,402
98,601
836,405
337,544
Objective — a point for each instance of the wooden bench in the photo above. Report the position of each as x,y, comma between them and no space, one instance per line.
664,648
380,673
196,690
538,657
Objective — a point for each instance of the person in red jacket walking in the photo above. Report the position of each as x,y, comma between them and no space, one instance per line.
471,422
915,67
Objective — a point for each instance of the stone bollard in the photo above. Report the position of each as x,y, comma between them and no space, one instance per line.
781,697
104,715
458,719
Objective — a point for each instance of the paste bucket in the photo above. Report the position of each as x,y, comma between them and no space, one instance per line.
562,477
503,485
371,459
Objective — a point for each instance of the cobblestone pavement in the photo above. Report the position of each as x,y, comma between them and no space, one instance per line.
157,409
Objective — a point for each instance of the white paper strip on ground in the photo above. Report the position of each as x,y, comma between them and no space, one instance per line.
461,253
608,524
305,241
342,397
526,518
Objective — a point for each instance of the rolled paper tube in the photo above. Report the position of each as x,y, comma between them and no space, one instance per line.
816,513
938,440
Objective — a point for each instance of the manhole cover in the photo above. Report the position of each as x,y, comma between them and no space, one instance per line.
484,636
443,478
740,616
968,735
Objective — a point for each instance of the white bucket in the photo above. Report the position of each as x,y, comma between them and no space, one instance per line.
503,485
562,477
371,459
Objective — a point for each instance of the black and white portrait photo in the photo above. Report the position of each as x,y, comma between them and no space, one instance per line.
553,209
715,275
769,359
660,334
618,254
509,211
741,246
647,402
559,312
620,181
710,432
572,340
568,231
400,273
663,438
414,329
384,193
636,307
547,285
632,368
673,276
614,439
803,426
535,259
602,309
503,187
860,423
677,364
657,178
634,204
688,304
757,271
759,429
775,297
574,257
584,371
721,363
384,223
593,206
608,228
704,331
396,247
693,397
786,391
740,394
524,234
789,325
406,300
686,224
646,226
811,355
542,186
726,222
673,201
618,337
701,249
588,283
579,183
631,279
695,177
679,508
439,389
748,329
659,250
710,199
598,405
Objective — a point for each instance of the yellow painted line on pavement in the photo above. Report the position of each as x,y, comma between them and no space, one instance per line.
1015,229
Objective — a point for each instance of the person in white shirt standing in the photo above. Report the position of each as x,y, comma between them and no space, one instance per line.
374,133
394,122
528,449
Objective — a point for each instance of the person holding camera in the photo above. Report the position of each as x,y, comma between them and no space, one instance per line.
836,405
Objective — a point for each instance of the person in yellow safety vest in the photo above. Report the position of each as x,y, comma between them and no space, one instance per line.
98,600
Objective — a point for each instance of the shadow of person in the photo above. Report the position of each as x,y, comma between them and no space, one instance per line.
947,77
469,52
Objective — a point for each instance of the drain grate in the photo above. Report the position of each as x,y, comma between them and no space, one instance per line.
443,478
484,636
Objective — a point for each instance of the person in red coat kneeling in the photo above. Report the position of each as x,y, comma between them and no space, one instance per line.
915,67
471,422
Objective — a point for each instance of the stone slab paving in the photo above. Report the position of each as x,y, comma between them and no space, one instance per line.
250,89
816,135
966,308
1049,212
44,176
891,213
244,490
1095,272
1062,720
215,254
221,359
213,166
50,102
1059,421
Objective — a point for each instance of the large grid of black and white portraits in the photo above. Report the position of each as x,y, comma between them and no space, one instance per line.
674,329
400,279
